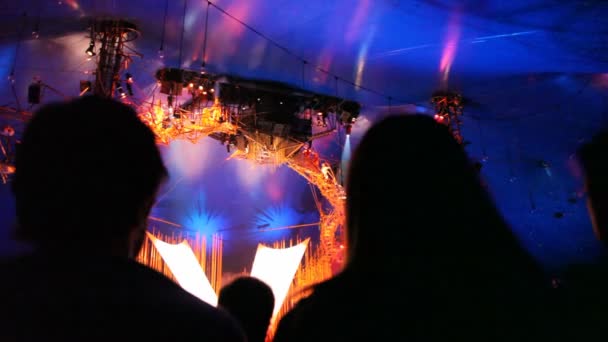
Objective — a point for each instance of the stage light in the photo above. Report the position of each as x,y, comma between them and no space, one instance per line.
212,90
36,30
91,49
161,53
120,91
129,82
7,131
277,267
200,87
191,85
448,110
186,269
326,170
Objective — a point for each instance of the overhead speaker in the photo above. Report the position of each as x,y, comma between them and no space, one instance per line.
34,93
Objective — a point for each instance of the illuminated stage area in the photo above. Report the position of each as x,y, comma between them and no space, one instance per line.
265,130
289,268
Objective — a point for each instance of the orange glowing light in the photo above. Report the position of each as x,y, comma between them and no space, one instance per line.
277,267
211,264
185,267
312,270
189,126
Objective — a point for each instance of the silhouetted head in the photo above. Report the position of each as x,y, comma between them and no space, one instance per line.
87,175
593,157
251,302
415,201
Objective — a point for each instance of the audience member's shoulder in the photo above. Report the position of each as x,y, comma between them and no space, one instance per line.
190,312
11,268
7,264
134,288
12,262
286,327
328,300
316,305
589,276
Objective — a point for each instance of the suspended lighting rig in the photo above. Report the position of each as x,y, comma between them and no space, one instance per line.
266,122
187,108
449,108
108,45
114,56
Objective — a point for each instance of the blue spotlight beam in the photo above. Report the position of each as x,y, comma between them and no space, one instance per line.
346,153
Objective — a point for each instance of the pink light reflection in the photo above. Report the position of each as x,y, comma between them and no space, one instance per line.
450,47
224,35
274,190
601,80
356,24
73,4
324,62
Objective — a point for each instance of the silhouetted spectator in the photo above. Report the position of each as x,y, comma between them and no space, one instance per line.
429,258
88,172
593,157
585,286
251,302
